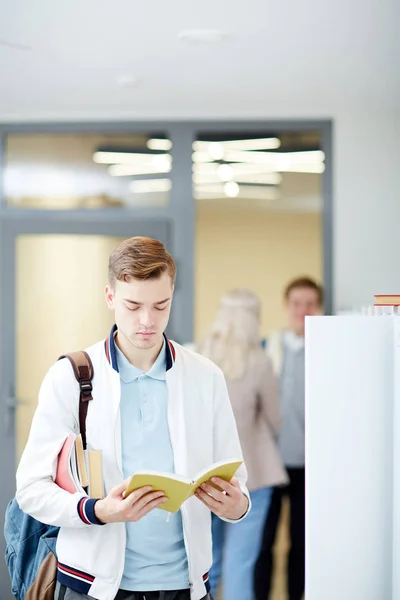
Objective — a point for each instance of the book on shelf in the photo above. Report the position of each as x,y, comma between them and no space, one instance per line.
79,470
387,299
177,488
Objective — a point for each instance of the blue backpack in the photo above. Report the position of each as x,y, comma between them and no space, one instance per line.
31,545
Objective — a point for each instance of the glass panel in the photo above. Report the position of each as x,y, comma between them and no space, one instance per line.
60,281
75,171
258,169
259,202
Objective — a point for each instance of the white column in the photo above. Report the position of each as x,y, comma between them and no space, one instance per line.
349,445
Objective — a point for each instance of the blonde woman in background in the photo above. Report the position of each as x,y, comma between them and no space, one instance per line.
234,345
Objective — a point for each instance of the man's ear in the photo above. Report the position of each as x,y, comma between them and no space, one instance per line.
110,297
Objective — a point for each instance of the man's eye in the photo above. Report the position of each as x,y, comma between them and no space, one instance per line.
164,307
135,308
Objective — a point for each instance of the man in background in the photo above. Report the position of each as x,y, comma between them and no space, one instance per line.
303,297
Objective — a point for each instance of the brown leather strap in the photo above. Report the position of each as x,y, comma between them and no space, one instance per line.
83,371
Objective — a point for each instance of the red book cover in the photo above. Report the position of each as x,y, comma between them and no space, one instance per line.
66,474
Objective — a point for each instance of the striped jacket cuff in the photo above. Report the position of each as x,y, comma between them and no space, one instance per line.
86,511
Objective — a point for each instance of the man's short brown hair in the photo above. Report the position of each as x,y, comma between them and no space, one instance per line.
140,258
308,283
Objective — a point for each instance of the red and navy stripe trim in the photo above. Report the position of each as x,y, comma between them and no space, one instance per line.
206,581
86,511
75,579
111,352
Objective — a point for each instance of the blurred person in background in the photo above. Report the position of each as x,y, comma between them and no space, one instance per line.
303,297
234,345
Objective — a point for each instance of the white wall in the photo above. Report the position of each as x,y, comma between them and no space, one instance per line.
366,206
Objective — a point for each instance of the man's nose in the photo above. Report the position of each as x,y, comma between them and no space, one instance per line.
146,319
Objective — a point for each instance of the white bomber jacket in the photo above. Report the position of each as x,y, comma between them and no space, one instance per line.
202,428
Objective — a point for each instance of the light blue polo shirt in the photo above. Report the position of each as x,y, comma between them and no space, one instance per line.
155,557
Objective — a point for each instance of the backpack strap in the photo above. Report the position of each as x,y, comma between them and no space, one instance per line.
83,371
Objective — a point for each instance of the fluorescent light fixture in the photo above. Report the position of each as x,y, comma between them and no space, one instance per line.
210,172
130,158
304,168
201,157
313,156
215,150
249,144
132,170
210,167
263,162
231,189
238,168
159,144
148,186
225,172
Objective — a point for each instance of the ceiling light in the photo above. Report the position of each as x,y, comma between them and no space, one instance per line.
244,161
202,35
256,144
146,186
201,157
162,162
304,168
225,172
263,173
238,168
240,156
215,150
248,144
130,158
231,189
201,178
132,170
159,144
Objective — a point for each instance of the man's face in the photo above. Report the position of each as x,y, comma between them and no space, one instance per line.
141,309
301,302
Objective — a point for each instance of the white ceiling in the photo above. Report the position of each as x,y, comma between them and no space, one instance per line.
284,57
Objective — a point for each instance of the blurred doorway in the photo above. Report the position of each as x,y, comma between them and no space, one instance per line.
54,275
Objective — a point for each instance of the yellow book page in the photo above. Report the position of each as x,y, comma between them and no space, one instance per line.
96,489
176,489
80,457
225,471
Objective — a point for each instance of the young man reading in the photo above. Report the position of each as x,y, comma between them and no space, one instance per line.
155,406
303,297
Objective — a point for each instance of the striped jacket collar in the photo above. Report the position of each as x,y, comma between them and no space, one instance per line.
111,352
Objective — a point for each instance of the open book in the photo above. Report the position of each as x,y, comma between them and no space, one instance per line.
79,470
177,488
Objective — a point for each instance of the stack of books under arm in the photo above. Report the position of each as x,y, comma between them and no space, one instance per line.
79,470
